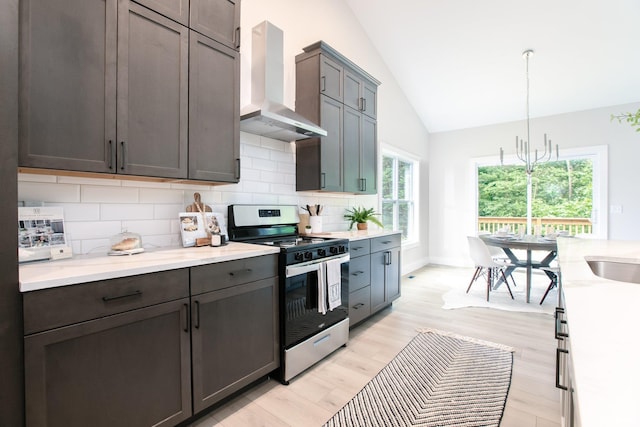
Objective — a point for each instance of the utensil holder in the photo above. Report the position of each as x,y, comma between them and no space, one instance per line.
316,223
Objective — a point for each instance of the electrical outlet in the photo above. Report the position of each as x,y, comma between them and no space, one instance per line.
615,209
61,252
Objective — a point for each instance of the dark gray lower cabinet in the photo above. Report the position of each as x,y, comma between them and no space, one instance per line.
235,339
128,369
374,275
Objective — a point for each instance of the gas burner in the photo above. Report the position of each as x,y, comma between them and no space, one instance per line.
288,244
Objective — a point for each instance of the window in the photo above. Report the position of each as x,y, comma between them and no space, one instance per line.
399,179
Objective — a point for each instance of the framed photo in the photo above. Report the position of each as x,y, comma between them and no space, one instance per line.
192,226
40,230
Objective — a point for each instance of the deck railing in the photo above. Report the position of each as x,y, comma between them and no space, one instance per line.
573,226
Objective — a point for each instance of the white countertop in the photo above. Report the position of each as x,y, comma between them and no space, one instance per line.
89,268
354,235
603,316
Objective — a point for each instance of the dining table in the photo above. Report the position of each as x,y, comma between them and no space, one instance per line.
529,244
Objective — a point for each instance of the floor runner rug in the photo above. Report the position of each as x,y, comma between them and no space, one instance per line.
439,379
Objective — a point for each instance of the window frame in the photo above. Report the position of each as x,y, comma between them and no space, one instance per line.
413,235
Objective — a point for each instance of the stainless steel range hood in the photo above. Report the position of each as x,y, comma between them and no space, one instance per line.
266,115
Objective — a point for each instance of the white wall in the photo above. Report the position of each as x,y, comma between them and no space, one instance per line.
452,195
96,209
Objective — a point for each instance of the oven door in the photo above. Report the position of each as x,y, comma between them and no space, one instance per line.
302,318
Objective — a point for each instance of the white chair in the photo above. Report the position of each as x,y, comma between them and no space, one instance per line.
485,263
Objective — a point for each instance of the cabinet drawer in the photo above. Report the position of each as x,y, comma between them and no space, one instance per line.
385,242
55,307
359,247
359,305
231,273
359,273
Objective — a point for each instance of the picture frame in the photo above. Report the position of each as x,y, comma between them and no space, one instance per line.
41,234
192,226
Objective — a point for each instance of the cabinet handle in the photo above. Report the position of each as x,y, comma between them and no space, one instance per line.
238,169
196,323
387,258
123,150
186,317
324,83
558,385
357,248
357,273
323,180
358,305
239,272
135,293
363,184
364,104
110,154
236,37
559,322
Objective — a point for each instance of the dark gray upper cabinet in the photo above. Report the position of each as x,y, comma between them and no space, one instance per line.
67,84
217,19
214,111
319,160
178,10
105,88
346,159
153,79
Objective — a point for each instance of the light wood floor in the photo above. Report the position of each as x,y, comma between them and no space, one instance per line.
314,396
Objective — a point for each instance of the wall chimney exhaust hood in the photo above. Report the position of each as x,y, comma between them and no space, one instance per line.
266,115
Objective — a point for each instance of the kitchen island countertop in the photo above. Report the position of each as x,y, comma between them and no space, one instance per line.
89,268
603,318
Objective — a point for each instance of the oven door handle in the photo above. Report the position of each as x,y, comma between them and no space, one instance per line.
306,267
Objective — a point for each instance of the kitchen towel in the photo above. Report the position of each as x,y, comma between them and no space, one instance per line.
322,288
334,282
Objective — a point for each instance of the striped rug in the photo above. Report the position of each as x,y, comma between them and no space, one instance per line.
439,379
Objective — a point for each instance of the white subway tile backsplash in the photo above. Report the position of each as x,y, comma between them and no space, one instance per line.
161,241
35,177
264,198
130,211
161,195
271,177
286,168
265,165
276,145
250,174
48,192
149,227
80,211
101,194
282,156
95,246
92,229
168,211
249,138
282,188
257,186
255,152
236,198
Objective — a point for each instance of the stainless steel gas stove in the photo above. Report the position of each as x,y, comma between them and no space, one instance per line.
314,287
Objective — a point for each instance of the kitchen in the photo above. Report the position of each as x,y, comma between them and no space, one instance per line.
99,208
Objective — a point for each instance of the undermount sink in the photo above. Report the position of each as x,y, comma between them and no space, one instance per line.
612,268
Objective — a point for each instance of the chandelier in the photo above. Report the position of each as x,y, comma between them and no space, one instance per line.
523,148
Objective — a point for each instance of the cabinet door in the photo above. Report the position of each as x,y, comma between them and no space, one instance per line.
331,178
331,82
353,87
67,84
370,100
235,339
130,368
351,143
378,291
214,111
178,10
217,19
153,60
369,156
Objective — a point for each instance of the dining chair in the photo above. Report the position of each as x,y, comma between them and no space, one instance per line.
485,263
554,272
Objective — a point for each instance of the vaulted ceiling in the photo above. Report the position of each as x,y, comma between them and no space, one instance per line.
460,62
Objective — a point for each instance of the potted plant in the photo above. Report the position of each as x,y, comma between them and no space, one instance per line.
360,216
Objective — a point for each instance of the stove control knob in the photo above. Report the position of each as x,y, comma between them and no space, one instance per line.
342,249
333,250
322,252
308,255
298,256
